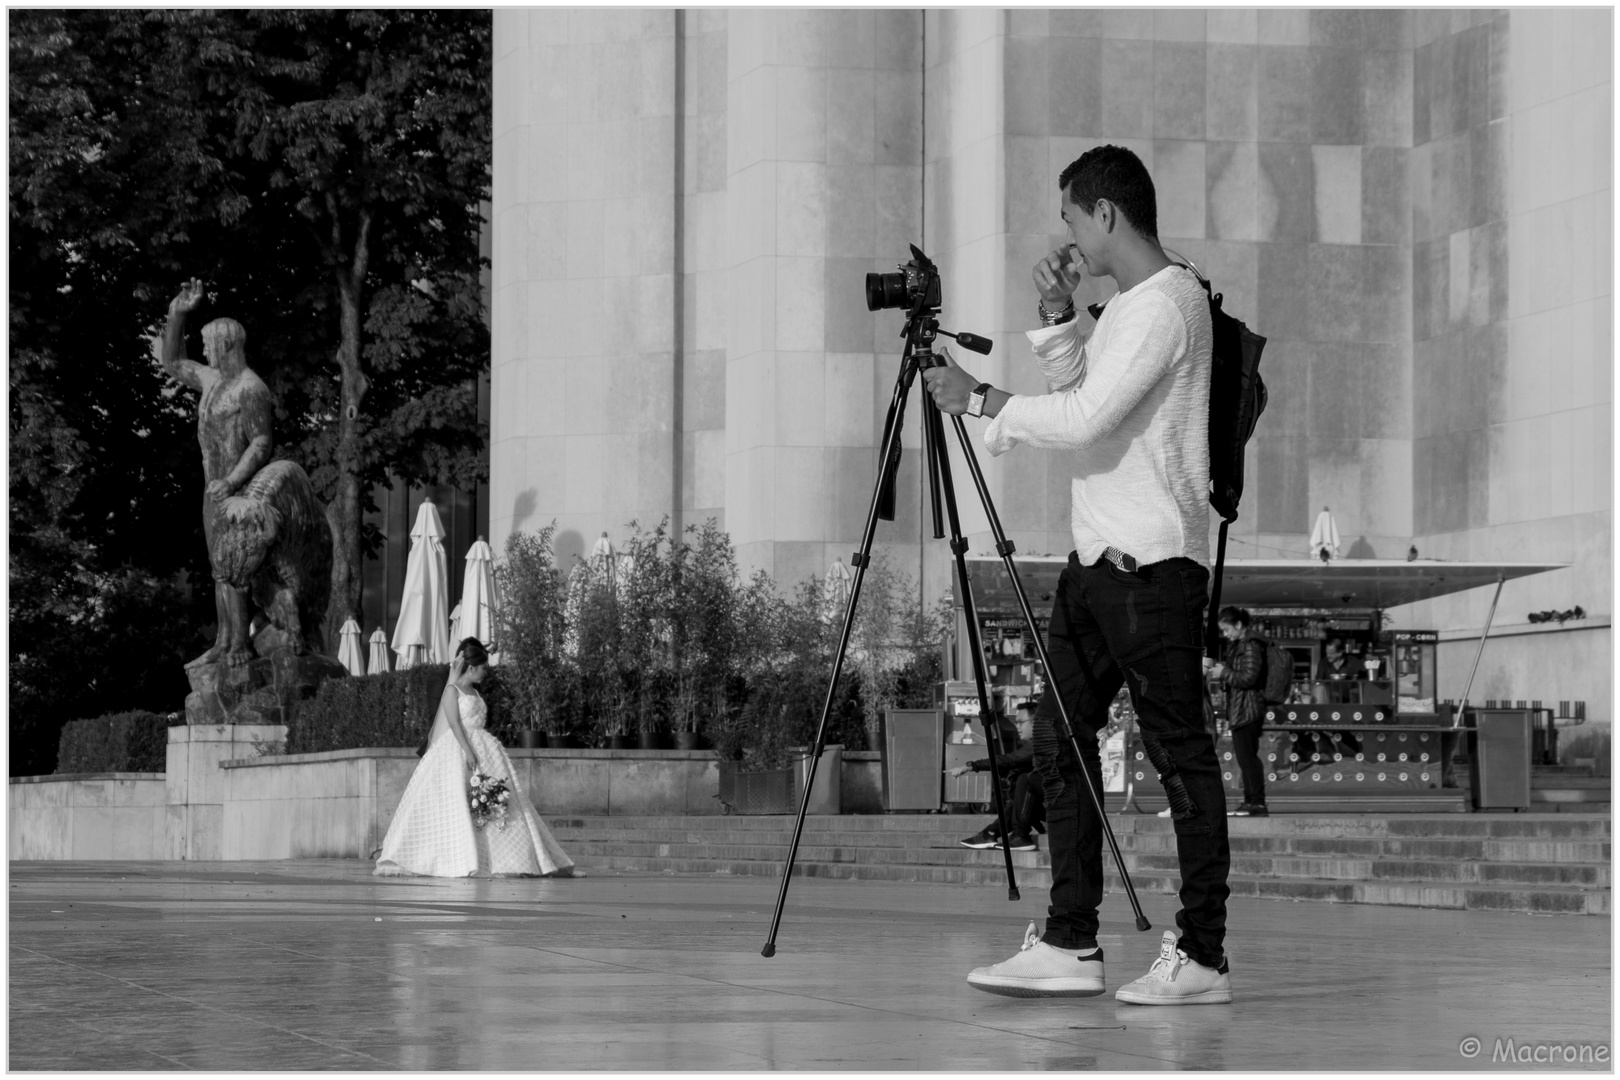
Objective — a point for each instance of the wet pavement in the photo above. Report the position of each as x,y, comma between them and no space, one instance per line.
306,965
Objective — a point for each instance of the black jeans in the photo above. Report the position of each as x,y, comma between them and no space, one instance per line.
1026,808
1107,624
1246,748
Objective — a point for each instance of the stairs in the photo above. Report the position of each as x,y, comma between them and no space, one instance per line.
1567,789
1501,862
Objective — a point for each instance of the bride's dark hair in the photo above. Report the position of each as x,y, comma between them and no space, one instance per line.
473,651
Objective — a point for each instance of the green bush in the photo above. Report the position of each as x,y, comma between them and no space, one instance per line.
118,742
394,708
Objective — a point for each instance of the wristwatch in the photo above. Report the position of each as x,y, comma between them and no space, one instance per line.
976,399
1054,318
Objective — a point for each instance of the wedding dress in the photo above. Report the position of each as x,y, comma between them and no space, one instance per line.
432,833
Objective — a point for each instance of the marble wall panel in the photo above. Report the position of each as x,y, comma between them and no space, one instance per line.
1336,179
1179,90
1337,380
1281,487
1073,67
1284,26
1233,26
1126,75
1181,188
1387,195
1284,292
1231,85
1284,91
1337,109
1111,23
1232,173
1287,192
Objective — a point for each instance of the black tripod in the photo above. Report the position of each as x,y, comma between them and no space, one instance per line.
921,330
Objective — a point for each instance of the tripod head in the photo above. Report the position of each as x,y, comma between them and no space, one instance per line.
916,287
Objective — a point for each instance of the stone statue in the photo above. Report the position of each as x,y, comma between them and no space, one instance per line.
269,544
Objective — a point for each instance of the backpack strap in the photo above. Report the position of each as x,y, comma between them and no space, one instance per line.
1212,639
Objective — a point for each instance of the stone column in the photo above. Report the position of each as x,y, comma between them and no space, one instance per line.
196,785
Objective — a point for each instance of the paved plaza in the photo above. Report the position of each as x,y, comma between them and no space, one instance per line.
308,965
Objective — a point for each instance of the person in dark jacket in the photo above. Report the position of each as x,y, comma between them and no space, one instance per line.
1027,808
1242,673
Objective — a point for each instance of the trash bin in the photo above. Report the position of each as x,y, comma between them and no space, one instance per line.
826,797
1499,758
913,755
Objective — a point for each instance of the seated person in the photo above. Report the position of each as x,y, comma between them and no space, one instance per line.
1027,807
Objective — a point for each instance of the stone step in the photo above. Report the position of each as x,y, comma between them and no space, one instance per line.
1470,848
1569,782
1550,899
954,826
1281,866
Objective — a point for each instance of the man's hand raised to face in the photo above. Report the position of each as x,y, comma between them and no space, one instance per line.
1057,276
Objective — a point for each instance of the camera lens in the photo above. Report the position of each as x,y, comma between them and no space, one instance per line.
885,291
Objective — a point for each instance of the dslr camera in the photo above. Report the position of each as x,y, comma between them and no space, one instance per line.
914,286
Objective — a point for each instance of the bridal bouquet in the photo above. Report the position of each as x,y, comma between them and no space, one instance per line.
488,800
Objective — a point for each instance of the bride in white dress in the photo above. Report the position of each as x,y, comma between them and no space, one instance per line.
432,833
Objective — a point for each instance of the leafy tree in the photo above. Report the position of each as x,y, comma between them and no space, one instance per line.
323,171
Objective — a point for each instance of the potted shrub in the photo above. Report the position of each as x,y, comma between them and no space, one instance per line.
531,633
787,657
647,585
595,648
707,627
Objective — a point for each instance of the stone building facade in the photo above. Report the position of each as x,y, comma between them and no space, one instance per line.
1412,205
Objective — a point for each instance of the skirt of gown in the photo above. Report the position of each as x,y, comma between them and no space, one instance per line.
432,834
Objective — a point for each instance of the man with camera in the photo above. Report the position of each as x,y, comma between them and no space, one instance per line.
1129,405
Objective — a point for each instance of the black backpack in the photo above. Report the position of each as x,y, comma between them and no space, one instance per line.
1237,397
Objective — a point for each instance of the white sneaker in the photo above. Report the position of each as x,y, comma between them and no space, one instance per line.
1175,980
1042,970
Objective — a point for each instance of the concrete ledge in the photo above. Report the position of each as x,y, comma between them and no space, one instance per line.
215,802
87,816
66,778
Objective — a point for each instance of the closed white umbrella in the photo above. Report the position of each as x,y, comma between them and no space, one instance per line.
477,608
422,632
349,654
835,589
1325,536
379,652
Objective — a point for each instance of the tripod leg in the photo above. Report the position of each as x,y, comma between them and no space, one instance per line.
959,547
1005,549
862,558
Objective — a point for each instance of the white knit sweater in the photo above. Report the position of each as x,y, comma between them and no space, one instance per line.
1131,405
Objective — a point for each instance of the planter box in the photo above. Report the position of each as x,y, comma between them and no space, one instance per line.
778,791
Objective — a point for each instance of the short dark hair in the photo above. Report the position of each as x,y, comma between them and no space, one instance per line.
1235,615
473,651
1113,173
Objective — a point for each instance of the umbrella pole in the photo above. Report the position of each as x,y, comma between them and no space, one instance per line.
1489,618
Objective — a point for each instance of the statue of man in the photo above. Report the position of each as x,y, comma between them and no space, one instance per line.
233,426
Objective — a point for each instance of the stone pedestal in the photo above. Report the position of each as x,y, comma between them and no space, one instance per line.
195,784
264,690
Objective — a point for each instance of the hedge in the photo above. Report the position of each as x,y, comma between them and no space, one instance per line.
117,742
393,708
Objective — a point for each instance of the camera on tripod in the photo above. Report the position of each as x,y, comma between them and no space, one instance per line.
916,284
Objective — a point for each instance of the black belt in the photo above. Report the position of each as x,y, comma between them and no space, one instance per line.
1120,559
